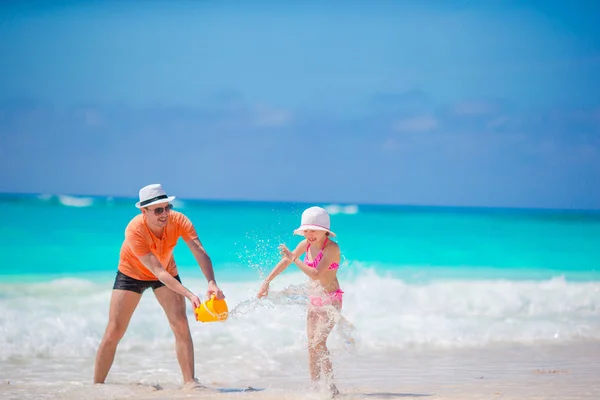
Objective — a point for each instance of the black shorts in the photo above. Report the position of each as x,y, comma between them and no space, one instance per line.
124,282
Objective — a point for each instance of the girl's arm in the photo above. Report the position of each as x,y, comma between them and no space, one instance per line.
330,255
279,268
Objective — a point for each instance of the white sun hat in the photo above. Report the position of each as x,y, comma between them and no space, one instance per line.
314,218
153,194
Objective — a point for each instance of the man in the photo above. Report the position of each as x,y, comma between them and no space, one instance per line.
146,261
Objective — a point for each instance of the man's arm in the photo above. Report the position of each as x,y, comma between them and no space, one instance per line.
153,264
206,266
202,258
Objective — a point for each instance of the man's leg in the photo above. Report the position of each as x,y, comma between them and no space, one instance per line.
174,306
122,306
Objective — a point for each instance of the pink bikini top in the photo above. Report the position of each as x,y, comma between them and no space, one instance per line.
315,262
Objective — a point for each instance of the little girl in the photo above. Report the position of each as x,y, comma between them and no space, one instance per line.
321,265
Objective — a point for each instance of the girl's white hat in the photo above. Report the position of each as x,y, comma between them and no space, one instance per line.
314,218
153,194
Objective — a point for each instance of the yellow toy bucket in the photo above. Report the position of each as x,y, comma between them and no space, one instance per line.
212,310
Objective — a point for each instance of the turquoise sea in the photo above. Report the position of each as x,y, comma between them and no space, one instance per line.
51,236
413,277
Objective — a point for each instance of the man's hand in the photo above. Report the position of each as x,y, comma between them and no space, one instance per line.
194,300
214,289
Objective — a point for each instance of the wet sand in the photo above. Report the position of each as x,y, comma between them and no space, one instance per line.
566,371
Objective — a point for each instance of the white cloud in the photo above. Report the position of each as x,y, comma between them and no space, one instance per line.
270,117
421,123
90,116
474,108
390,144
242,116
499,122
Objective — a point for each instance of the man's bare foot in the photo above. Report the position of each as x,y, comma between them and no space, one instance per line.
314,386
333,390
194,385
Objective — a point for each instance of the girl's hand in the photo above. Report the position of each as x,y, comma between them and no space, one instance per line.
286,254
264,290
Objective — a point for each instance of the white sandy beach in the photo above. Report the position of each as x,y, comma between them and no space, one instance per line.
515,372
431,349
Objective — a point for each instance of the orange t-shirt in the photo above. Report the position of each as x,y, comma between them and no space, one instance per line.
139,240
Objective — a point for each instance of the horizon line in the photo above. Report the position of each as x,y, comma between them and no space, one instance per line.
327,202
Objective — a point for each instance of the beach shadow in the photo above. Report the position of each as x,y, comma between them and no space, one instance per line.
388,395
237,390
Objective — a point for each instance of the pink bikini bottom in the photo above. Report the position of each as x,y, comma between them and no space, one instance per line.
331,298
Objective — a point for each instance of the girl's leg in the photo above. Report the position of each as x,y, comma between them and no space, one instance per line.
313,356
320,323
325,325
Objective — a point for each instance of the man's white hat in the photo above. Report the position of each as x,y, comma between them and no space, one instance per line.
314,218
153,194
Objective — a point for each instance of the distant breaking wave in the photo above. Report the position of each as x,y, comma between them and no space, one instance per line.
339,209
177,203
73,201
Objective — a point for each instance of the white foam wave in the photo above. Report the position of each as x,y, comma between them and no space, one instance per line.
44,197
68,316
74,201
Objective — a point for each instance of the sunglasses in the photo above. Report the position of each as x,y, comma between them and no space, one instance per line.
160,210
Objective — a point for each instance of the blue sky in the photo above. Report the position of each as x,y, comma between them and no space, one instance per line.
489,103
